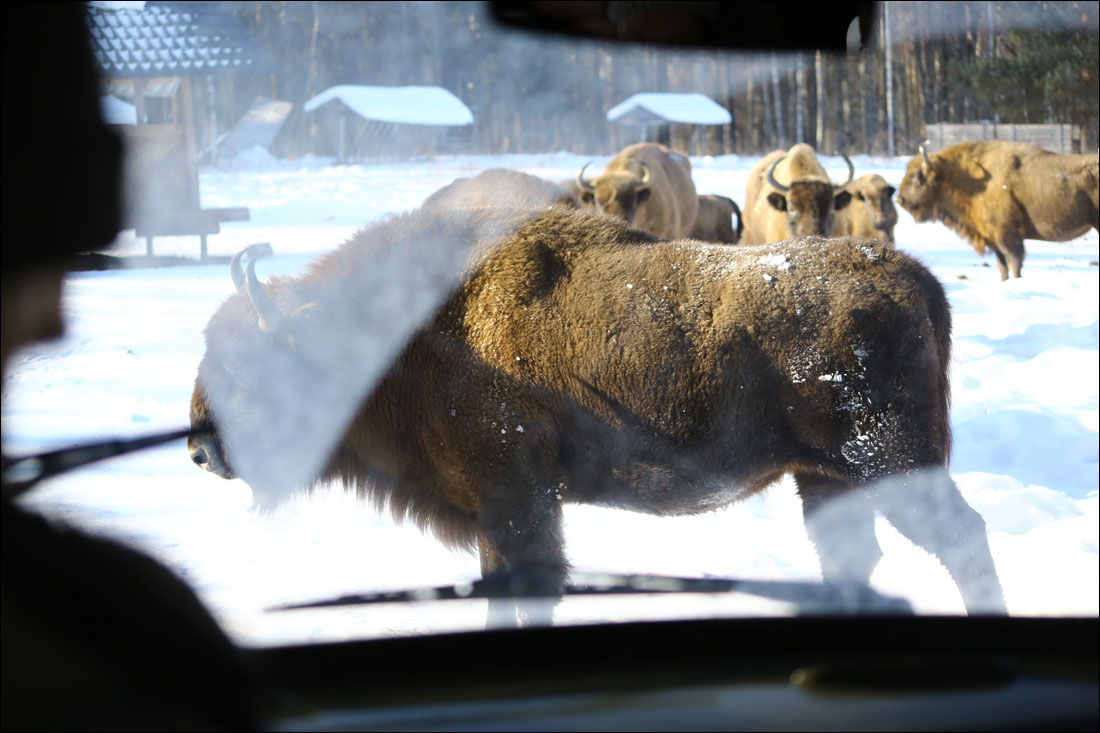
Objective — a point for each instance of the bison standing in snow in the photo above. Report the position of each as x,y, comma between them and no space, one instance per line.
870,213
500,187
714,223
789,194
581,360
648,186
997,193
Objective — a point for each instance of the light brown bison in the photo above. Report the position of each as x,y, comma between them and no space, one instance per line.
789,194
714,222
870,213
500,187
646,185
996,194
581,360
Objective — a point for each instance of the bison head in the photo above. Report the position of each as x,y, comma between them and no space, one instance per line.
289,363
239,334
917,192
876,194
617,193
810,204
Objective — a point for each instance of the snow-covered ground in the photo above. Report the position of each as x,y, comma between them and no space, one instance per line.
1025,417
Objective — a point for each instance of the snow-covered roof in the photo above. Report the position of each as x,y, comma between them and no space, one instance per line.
117,112
651,108
406,105
171,39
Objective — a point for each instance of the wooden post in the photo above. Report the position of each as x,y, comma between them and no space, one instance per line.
139,100
189,140
340,149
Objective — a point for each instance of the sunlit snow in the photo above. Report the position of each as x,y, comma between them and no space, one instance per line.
1025,418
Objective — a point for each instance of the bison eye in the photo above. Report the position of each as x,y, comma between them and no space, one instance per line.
860,196
920,178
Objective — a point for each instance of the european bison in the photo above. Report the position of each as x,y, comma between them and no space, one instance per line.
500,187
714,222
581,360
789,194
997,193
646,185
870,213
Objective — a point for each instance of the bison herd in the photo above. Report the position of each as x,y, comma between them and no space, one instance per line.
599,341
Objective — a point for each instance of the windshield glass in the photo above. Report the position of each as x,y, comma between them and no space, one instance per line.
298,124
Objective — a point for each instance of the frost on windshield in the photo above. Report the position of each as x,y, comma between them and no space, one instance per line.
1023,375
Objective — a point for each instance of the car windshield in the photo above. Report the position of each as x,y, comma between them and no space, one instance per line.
298,124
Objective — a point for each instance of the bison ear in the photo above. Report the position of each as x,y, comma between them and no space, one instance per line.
842,199
777,201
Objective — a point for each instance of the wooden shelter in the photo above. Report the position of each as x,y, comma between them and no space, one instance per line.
391,122
150,57
650,111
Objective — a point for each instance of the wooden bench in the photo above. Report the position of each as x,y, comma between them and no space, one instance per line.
185,222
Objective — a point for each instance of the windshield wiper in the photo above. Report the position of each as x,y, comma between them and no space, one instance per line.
20,474
807,597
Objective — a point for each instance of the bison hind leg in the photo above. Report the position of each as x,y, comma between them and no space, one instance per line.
928,509
841,524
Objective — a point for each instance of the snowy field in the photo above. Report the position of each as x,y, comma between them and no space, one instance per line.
1025,416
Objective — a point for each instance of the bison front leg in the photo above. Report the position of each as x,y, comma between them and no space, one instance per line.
841,524
1010,258
522,544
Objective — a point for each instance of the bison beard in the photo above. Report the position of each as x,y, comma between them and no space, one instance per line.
579,360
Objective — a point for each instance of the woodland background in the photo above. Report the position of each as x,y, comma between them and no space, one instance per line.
1032,62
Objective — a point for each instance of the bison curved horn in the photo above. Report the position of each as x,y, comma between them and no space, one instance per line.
271,319
236,270
770,176
851,170
583,184
646,177
924,152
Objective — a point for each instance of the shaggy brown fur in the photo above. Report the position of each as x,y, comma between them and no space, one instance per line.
714,222
500,187
806,209
585,361
996,194
666,206
870,213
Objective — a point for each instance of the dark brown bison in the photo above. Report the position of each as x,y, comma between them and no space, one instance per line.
996,194
648,186
714,222
789,194
580,360
870,213
500,187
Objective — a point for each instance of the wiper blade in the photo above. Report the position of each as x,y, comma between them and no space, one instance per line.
806,596
22,473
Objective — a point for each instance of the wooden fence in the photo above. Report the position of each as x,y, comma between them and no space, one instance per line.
1055,138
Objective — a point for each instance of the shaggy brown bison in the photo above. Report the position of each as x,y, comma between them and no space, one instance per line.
714,222
870,213
647,185
789,194
996,194
500,187
581,360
